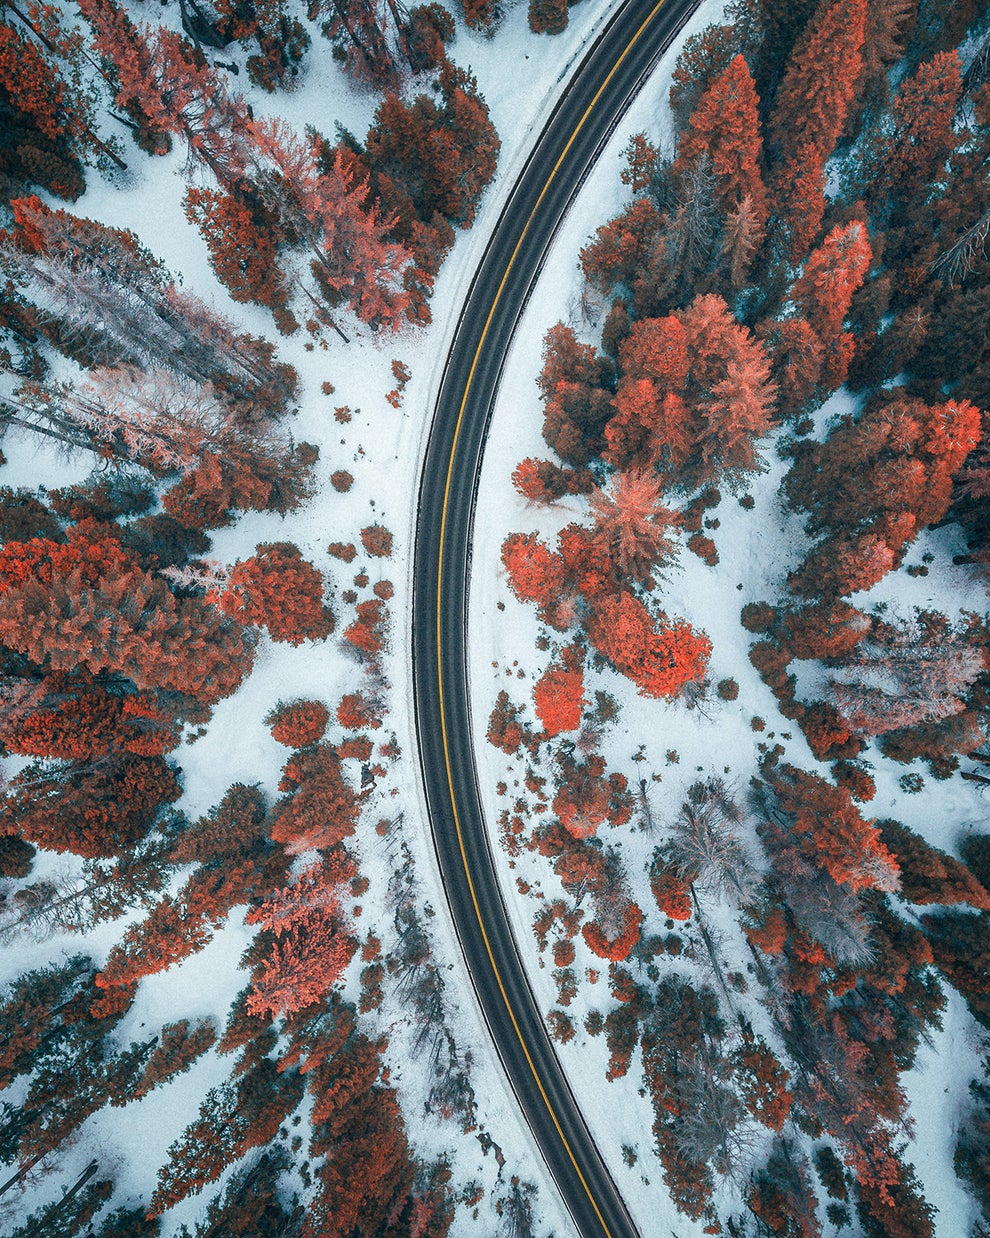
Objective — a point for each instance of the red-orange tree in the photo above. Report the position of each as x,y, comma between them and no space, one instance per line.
320,808
87,603
660,657
279,590
558,694
725,126
311,945
694,394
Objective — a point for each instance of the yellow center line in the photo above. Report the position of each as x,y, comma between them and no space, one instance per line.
443,528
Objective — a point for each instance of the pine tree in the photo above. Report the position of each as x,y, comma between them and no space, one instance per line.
278,589
536,573
634,525
88,604
547,16
312,944
873,484
833,272
586,798
167,87
799,199
543,482
177,1046
319,808
241,244
91,809
641,158
233,1118
623,249
573,384
929,875
354,260
904,155
725,126
814,97
434,159
702,59
781,1195
695,392
43,119
365,34
812,824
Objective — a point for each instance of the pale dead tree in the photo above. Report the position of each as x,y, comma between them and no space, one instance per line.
907,678
689,239
205,574
70,902
705,846
710,1129
833,916
978,71
610,899
158,419
116,298
960,258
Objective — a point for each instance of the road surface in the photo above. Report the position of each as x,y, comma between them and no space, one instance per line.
592,104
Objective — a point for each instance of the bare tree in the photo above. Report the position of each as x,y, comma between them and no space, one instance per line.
705,847
516,1210
959,259
710,1129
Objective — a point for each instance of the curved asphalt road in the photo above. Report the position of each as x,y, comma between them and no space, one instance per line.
597,95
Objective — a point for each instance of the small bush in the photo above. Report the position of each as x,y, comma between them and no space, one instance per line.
297,724
345,551
758,616
728,689
704,548
341,481
377,541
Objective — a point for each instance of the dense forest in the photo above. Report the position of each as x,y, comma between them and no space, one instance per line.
799,287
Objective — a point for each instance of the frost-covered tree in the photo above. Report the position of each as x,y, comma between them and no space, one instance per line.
904,675
704,845
122,304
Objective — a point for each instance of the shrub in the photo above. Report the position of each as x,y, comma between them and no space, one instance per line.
728,689
704,548
297,724
758,616
341,481
377,541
